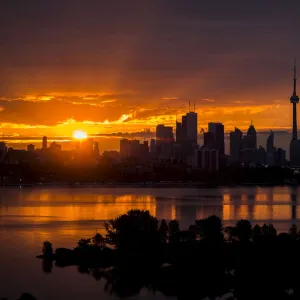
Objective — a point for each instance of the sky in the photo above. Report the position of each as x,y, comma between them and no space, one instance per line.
126,66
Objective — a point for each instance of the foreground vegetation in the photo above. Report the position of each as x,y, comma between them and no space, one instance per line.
207,260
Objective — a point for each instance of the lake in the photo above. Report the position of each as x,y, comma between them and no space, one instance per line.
28,216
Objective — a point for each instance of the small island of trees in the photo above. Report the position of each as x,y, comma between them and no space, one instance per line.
206,260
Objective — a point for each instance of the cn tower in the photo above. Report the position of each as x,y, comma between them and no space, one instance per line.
294,100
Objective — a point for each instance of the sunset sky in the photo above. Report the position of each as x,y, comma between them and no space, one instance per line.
109,66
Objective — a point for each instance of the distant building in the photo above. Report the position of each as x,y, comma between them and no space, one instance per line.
218,131
87,145
3,151
54,147
250,139
236,138
295,153
30,148
187,130
44,143
124,148
208,159
270,142
96,147
153,146
209,139
164,141
281,157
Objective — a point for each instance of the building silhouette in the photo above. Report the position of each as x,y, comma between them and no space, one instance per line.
124,148
218,133
44,143
208,139
30,148
270,142
236,139
208,159
164,141
250,139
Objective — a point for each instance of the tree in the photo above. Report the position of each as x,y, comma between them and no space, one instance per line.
98,240
47,249
134,229
244,230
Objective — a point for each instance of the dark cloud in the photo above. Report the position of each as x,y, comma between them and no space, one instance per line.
138,52
53,112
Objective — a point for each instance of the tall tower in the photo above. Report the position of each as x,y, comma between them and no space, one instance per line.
294,100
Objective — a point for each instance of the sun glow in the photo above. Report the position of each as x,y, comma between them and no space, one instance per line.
79,134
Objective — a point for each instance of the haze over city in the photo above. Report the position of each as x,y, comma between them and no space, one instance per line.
118,66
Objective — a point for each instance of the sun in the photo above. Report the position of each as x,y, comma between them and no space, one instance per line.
79,135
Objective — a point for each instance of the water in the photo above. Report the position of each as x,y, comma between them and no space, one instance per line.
28,216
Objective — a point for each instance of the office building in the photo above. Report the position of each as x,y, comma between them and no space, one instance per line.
152,146
96,147
270,142
45,143
30,148
208,139
164,141
208,159
218,131
250,139
236,138
124,148
187,130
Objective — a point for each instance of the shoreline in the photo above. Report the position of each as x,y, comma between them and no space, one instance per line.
145,185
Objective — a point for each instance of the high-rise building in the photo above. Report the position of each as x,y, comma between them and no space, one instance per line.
164,140
208,159
236,138
134,146
250,139
96,147
209,139
45,143
281,157
218,131
124,148
187,130
3,151
270,142
152,146
30,148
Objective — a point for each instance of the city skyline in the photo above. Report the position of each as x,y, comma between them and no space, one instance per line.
96,78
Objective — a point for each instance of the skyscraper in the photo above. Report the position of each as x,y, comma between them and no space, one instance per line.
187,130
191,128
209,139
218,131
45,143
236,138
250,139
270,142
124,148
164,140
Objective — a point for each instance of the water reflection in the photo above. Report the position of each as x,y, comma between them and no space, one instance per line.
72,207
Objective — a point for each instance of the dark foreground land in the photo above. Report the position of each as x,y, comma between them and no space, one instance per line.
207,260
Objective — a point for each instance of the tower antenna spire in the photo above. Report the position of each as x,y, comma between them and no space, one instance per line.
189,105
295,77
194,105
